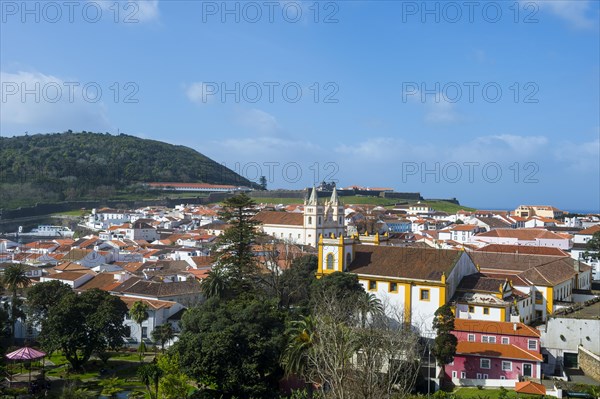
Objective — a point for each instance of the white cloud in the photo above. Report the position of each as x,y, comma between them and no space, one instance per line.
580,157
200,93
575,12
382,149
438,110
130,11
147,10
35,101
442,112
258,120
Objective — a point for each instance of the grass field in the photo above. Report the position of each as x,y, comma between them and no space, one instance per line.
442,206
475,393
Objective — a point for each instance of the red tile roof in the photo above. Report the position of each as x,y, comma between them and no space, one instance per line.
496,350
590,230
521,234
495,327
523,249
403,262
280,218
530,387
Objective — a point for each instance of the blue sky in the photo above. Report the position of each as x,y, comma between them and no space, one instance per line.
495,103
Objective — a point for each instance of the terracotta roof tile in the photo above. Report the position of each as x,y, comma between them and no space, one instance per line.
590,230
280,218
521,234
103,281
403,262
480,283
495,327
496,350
523,249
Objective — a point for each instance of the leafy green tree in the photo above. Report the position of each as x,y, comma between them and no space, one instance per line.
82,324
43,296
139,314
15,278
593,248
150,375
262,182
444,345
163,334
297,280
233,345
174,383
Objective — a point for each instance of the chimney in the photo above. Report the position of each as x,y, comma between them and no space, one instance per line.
515,326
577,266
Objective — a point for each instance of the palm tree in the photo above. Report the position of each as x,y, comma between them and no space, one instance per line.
301,335
162,334
369,305
15,278
215,283
150,374
139,314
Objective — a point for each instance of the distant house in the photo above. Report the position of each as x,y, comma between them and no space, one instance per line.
538,221
547,279
489,351
398,225
159,313
580,242
461,233
535,237
490,223
73,279
188,293
420,208
527,211
491,299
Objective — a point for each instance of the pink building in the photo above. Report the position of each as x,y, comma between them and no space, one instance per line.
492,350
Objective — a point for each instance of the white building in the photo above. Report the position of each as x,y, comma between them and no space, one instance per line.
580,240
414,282
533,237
305,228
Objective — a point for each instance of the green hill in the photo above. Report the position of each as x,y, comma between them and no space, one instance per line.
71,166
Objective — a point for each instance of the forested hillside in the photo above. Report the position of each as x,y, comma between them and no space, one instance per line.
69,166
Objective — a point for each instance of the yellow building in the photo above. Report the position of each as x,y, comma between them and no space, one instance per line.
413,282
545,211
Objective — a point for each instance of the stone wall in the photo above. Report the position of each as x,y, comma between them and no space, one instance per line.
589,363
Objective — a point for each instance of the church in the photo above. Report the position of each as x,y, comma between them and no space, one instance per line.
413,282
319,218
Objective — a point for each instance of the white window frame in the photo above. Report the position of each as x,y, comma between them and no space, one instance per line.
478,376
454,374
505,340
529,341
486,376
508,363
481,363
469,336
463,375
488,339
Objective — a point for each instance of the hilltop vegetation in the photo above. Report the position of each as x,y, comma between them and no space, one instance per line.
71,166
